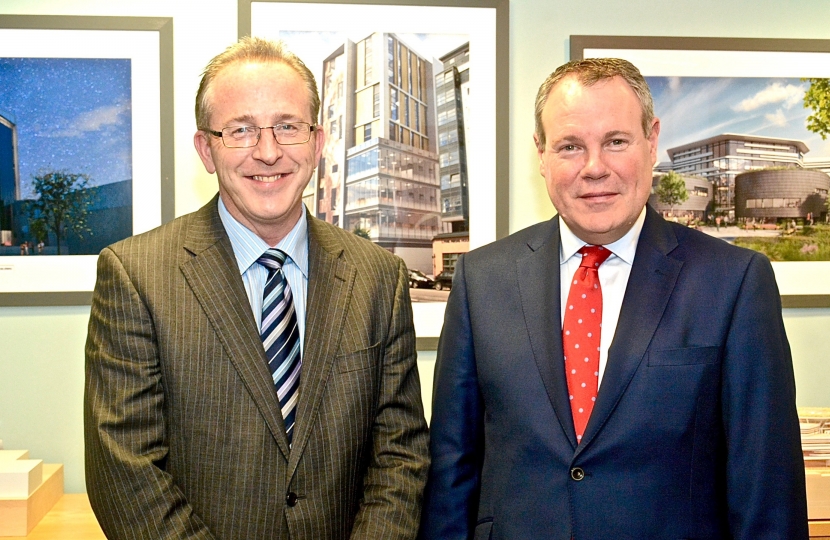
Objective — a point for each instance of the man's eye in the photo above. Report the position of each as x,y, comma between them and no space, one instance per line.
618,142
568,147
240,131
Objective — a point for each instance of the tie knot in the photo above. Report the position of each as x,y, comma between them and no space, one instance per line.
593,256
272,259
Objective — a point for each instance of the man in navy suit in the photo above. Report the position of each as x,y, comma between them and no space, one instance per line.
690,428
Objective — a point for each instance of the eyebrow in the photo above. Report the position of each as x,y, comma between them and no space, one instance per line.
568,139
248,119
616,133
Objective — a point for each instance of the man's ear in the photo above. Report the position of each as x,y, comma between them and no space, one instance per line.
320,142
652,139
540,150
201,141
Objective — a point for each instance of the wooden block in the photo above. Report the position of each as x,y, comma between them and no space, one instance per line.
20,478
818,493
18,516
13,455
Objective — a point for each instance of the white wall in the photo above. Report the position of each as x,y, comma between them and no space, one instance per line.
41,349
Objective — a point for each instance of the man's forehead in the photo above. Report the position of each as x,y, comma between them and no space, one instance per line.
245,68
571,86
268,75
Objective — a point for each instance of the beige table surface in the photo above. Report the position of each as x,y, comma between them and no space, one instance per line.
72,519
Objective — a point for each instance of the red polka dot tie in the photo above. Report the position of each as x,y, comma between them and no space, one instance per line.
580,335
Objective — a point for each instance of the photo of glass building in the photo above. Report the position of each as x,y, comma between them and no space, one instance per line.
719,159
378,175
9,176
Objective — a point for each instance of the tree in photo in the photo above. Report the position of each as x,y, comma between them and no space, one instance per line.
817,98
671,190
62,205
361,232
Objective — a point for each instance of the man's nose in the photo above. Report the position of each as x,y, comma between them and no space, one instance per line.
267,150
595,167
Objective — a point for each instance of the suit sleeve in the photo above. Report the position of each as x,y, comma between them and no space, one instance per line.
764,465
457,432
124,426
397,467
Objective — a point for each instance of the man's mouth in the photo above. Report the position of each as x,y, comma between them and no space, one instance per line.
596,196
267,179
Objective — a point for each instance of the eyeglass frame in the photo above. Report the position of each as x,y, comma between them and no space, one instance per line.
311,128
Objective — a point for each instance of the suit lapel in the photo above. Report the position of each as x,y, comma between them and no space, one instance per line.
538,276
650,285
213,276
330,284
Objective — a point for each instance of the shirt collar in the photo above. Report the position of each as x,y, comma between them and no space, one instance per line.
248,247
624,248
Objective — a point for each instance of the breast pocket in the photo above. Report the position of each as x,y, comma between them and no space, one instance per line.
687,356
358,360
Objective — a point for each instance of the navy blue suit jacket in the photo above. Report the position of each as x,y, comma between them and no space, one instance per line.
694,433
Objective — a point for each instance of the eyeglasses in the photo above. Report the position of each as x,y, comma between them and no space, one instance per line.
248,136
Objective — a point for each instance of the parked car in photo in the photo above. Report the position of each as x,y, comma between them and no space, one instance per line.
418,280
443,281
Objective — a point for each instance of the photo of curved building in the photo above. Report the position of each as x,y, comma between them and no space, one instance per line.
774,194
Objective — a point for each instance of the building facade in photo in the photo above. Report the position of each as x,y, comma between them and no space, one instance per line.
775,194
698,205
379,170
721,158
9,176
109,217
452,89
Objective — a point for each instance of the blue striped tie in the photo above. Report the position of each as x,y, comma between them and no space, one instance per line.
281,336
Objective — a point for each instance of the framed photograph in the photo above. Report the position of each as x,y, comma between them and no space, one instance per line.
414,105
741,124
86,147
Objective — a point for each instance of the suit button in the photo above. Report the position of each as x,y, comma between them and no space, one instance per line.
291,498
577,473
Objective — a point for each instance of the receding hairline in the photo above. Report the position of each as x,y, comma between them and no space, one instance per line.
250,61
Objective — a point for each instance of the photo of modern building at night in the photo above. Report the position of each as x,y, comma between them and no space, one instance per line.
9,176
65,155
379,172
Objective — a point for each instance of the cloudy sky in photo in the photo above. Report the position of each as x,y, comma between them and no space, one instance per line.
71,114
695,108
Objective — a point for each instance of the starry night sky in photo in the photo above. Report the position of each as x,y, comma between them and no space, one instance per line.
72,114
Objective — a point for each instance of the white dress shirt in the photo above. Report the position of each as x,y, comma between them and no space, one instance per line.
613,278
248,247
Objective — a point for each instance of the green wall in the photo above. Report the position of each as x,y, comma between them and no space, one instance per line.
41,349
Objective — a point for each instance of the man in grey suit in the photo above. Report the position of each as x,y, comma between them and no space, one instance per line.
189,430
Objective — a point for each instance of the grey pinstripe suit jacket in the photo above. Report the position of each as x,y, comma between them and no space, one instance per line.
183,430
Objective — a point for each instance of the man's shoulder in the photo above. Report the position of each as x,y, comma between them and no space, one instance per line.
171,235
518,244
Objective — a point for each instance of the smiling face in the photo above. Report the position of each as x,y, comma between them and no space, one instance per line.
596,160
261,186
